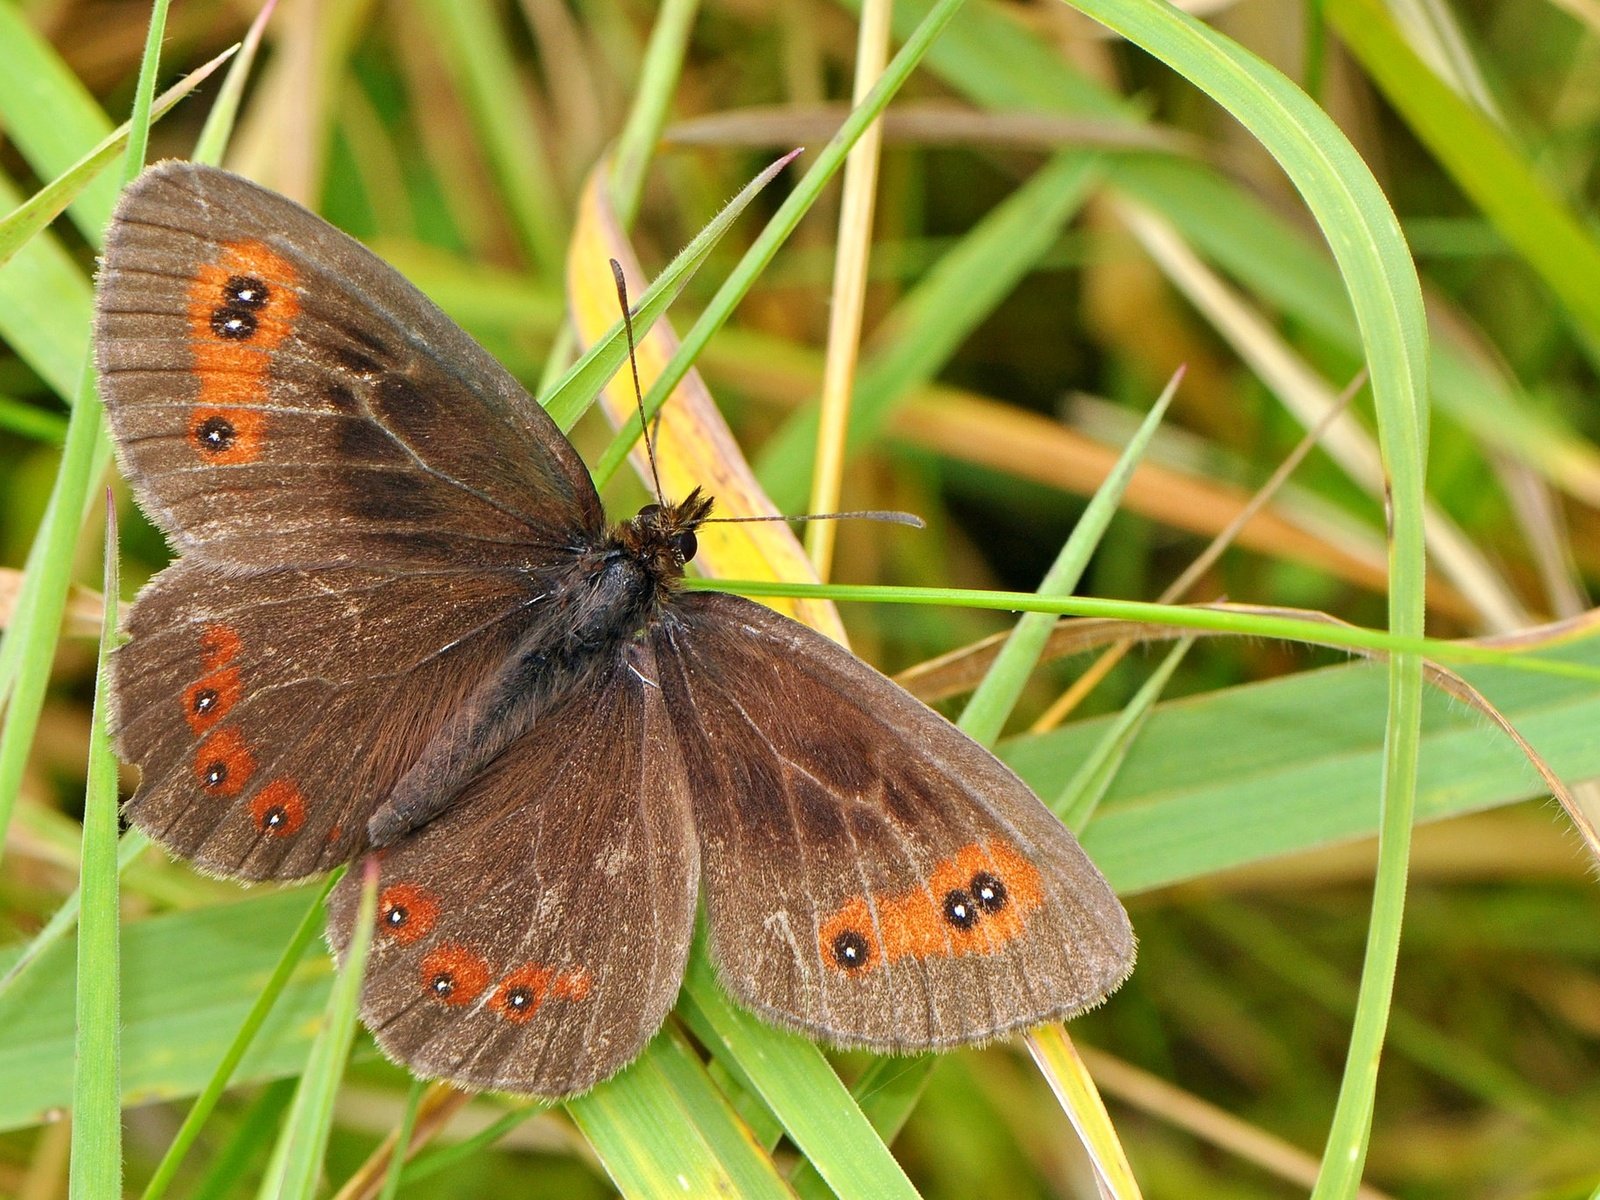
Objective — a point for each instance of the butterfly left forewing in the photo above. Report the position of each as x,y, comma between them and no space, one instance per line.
871,874
533,937
280,396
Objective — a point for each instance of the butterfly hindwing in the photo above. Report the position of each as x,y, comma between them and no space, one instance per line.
533,937
282,397
871,874
271,714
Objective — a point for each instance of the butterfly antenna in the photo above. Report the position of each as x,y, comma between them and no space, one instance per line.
638,392
870,514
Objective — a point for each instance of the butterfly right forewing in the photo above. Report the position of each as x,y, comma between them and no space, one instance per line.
872,875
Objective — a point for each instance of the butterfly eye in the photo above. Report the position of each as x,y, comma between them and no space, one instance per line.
686,544
648,511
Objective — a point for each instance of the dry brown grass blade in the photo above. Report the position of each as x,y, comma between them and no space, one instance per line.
1154,1096
439,1104
83,606
694,446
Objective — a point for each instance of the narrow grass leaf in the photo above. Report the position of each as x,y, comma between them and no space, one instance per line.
96,1169
297,1158
30,217
214,134
1482,160
796,1083
577,388
778,229
985,714
270,993
656,1140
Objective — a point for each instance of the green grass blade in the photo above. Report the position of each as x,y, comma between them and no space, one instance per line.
1481,159
438,1159
65,917
661,1129
796,1083
50,115
1367,244
929,325
200,1111
303,1142
250,1141
96,1169
1077,801
777,231
578,386
24,666
990,706
214,134
31,217
402,1141
652,104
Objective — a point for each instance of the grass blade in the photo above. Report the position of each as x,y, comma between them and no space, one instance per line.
97,1088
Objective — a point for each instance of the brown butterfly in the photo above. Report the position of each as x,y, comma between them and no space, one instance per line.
399,622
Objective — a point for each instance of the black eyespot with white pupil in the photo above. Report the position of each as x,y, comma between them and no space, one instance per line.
245,291
234,324
959,908
216,434
988,893
396,917
850,950
205,700
274,816
443,984
519,998
216,774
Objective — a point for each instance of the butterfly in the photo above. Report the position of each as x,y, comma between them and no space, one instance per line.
398,623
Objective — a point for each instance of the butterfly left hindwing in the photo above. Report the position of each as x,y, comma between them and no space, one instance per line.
533,937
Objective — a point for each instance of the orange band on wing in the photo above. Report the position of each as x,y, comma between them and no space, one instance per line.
974,902
218,645
223,763
279,809
241,307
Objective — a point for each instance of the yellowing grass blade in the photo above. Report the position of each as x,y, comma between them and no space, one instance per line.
694,446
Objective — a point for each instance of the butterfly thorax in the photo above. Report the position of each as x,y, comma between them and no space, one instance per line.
586,611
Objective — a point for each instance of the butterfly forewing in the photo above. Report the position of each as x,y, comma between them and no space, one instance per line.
280,396
871,874
533,938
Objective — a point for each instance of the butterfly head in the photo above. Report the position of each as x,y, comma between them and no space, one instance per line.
663,535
